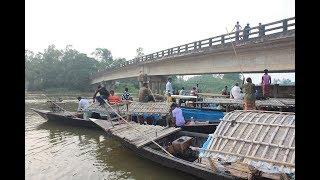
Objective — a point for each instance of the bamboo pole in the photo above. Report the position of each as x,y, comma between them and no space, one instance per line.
235,53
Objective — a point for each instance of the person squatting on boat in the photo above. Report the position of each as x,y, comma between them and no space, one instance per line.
113,99
249,94
145,93
83,104
265,84
225,91
177,117
104,94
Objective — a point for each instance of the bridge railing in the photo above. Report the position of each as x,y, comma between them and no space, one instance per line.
254,32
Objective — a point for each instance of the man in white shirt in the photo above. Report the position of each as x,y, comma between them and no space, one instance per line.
236,92
169,88
83,104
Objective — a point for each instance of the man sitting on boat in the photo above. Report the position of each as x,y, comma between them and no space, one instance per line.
126,95
225,91
235,92
83,104
113,99
177,117
145,93
104,94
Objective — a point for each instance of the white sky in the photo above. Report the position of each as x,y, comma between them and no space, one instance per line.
124,25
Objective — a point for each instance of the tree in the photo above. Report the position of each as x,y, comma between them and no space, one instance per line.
232,76
139,52
104,56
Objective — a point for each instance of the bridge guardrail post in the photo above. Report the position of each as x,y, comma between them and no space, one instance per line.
186,46
194,45
210,42
199,44
285,25
178,49
222,39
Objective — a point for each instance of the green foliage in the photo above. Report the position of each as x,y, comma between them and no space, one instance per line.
66,69
207,83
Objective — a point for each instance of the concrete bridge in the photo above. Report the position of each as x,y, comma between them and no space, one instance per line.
268,46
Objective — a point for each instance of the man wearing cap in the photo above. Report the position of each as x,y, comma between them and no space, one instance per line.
265,83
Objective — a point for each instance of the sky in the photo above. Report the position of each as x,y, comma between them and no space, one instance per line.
124,25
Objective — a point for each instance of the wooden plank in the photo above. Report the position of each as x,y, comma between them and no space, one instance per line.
104,124
161,136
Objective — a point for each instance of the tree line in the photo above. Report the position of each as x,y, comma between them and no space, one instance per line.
65,68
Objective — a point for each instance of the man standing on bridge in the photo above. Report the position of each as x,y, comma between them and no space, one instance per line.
265,83
237,27
246,32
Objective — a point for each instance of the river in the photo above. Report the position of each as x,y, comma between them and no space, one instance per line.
55,151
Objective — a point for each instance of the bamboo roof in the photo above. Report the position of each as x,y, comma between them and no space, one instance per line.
262,139
277,102
149,108
135,107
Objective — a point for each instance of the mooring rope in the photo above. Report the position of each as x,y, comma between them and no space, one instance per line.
235,52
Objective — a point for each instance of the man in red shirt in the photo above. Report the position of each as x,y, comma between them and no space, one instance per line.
113,99
265,84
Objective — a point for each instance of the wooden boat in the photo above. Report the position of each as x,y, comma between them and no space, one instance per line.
141,146
70,119
65,118
174,148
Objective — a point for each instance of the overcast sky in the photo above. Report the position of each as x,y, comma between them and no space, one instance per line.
124,25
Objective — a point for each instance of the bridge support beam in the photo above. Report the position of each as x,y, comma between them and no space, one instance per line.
156,83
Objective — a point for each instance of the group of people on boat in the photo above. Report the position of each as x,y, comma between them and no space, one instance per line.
248,91
104,95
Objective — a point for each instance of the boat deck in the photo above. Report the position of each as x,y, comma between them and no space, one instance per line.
135,133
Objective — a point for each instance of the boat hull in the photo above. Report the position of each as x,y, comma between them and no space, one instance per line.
72,121
173,162
67,120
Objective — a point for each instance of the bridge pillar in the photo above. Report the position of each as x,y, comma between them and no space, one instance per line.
157,83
